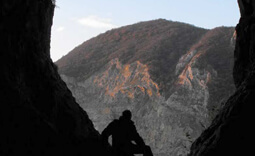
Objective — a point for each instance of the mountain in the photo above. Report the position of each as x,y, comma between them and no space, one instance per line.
172,76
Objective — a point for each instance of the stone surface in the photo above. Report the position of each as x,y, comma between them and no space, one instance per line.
38,114
172,76
232,132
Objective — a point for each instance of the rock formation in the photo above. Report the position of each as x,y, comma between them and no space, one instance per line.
171,75
232,132
38,114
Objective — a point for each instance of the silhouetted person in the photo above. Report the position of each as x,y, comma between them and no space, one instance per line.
123,132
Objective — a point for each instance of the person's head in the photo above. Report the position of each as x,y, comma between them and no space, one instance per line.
126,114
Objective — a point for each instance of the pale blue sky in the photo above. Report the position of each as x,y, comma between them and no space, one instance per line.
76,21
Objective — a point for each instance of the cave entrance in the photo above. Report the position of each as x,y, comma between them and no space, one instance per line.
197,68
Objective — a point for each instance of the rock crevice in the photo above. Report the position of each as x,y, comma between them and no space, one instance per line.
38,114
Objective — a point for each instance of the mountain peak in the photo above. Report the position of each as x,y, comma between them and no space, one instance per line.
154,43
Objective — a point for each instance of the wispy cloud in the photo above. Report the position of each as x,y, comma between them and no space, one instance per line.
59,29
96,22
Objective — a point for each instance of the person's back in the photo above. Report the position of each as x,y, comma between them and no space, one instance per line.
123,132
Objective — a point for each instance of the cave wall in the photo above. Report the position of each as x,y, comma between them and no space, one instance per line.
38,114
232,131
244,52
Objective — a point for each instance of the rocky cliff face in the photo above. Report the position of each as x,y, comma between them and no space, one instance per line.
167,73
231,132
38,114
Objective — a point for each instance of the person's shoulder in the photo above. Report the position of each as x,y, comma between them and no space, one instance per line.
131,123
132,127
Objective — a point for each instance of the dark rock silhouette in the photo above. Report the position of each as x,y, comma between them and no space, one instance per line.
38,115
232,131
123,132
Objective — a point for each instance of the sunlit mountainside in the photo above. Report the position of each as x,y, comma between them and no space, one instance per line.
172,76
